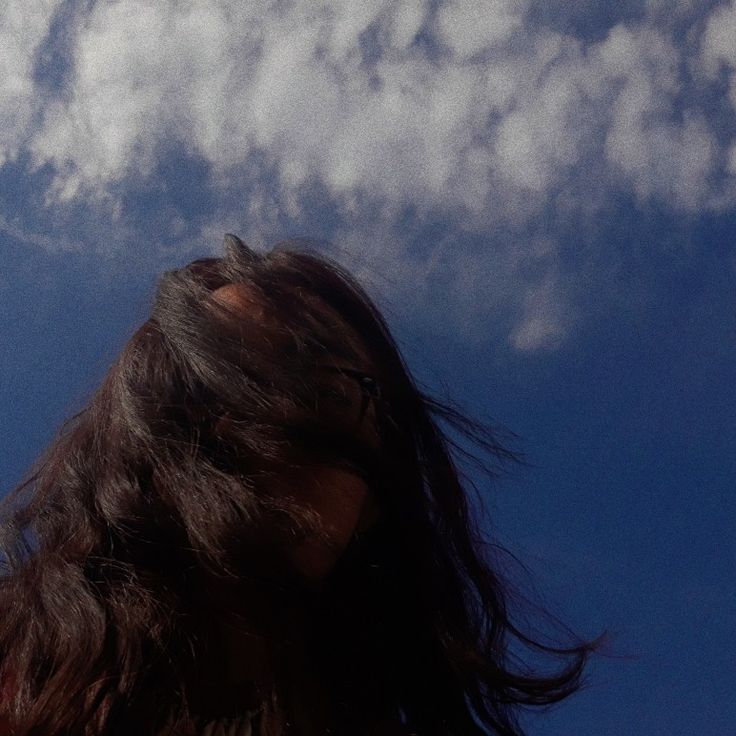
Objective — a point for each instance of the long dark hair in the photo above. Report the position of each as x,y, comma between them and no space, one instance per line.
147,511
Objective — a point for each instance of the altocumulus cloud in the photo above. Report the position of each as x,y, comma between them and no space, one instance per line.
482,113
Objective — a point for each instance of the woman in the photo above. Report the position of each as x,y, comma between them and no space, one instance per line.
257,526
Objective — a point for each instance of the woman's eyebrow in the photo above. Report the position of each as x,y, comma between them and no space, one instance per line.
334,368
355,373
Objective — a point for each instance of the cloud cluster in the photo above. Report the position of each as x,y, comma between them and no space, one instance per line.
462,107
348,92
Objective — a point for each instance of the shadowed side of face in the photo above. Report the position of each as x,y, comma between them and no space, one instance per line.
341,498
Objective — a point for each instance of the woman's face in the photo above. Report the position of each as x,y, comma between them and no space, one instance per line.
342,499
345,505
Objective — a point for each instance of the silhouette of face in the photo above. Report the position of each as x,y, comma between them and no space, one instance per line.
341,498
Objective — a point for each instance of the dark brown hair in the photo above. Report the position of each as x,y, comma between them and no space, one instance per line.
147,511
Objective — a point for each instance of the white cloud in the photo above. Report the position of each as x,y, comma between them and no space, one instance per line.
542,131
142,74
470,26
719,46
718,52
23,27
538,330
661,157
543,323
227,80
664,10
494,121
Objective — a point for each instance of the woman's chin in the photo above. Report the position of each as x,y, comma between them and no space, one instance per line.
314,561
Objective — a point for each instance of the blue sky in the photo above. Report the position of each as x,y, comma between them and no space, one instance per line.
541,197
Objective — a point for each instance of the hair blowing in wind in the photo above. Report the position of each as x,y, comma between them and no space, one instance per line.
172,500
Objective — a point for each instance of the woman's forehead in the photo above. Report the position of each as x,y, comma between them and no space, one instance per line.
245,300
242,299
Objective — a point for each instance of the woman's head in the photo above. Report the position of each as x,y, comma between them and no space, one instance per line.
258,447
290,381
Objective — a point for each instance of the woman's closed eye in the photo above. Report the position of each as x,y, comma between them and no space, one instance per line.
339,395
349,388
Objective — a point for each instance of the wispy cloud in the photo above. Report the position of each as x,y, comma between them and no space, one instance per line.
475,110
